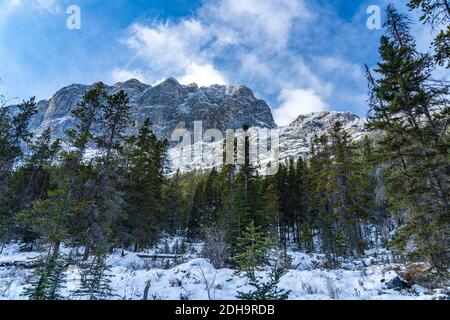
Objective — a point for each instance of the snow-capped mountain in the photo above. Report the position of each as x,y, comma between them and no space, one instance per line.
170,105
296,137
293,141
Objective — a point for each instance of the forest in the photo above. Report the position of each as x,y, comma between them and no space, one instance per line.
389,189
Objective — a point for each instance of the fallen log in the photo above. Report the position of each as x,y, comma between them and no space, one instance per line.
20,264
157,256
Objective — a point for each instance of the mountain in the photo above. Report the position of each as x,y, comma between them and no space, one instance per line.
168,105
294,141
295,138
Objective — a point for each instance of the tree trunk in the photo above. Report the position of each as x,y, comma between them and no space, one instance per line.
86,253
146,290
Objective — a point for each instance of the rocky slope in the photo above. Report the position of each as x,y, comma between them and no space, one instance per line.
295,138
294,141
168,105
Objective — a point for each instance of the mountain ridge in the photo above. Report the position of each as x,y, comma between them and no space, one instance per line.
170,105
167,104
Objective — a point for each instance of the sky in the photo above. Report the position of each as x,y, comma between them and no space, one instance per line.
298,55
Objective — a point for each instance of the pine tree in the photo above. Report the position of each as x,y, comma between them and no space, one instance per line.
306,237
196,212
270,212
173,204
14,131
246,204
212,201
27,183
319,167
265,290
251,249
413,114
81,177
37,169
254,246
349,190
341,242
108,203
207,204
143,186
95,279
50,217
48,280
87,115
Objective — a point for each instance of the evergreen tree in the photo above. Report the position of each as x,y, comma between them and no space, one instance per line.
108,202
320,164
246,204
95,279
307,237
270,211
87,115
143,186
251,249
14,131
48,280
265,290
253,256
27,183
50,217
212,200
414,115
349,190
341,242
81,181
196,213
173,204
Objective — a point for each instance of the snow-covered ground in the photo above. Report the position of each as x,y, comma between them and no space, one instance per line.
187,276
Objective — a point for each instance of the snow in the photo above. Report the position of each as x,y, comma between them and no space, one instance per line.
188,276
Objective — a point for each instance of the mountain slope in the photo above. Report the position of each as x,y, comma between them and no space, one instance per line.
168,105
296,137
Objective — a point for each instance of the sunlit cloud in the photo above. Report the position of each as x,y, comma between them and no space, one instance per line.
296,102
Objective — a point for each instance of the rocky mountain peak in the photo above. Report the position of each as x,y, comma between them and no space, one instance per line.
171,105
166,104
296,137
132,86
325,117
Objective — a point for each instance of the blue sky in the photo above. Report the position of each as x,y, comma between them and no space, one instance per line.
298,55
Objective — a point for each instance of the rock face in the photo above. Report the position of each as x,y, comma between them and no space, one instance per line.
294,141
398,283
168,105
295,138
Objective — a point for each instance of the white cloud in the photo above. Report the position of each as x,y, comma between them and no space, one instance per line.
203,75
13,3
7,7
121,75
336,64
260,23
187,50
166,45
174,50
295,102
47,5
261,43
